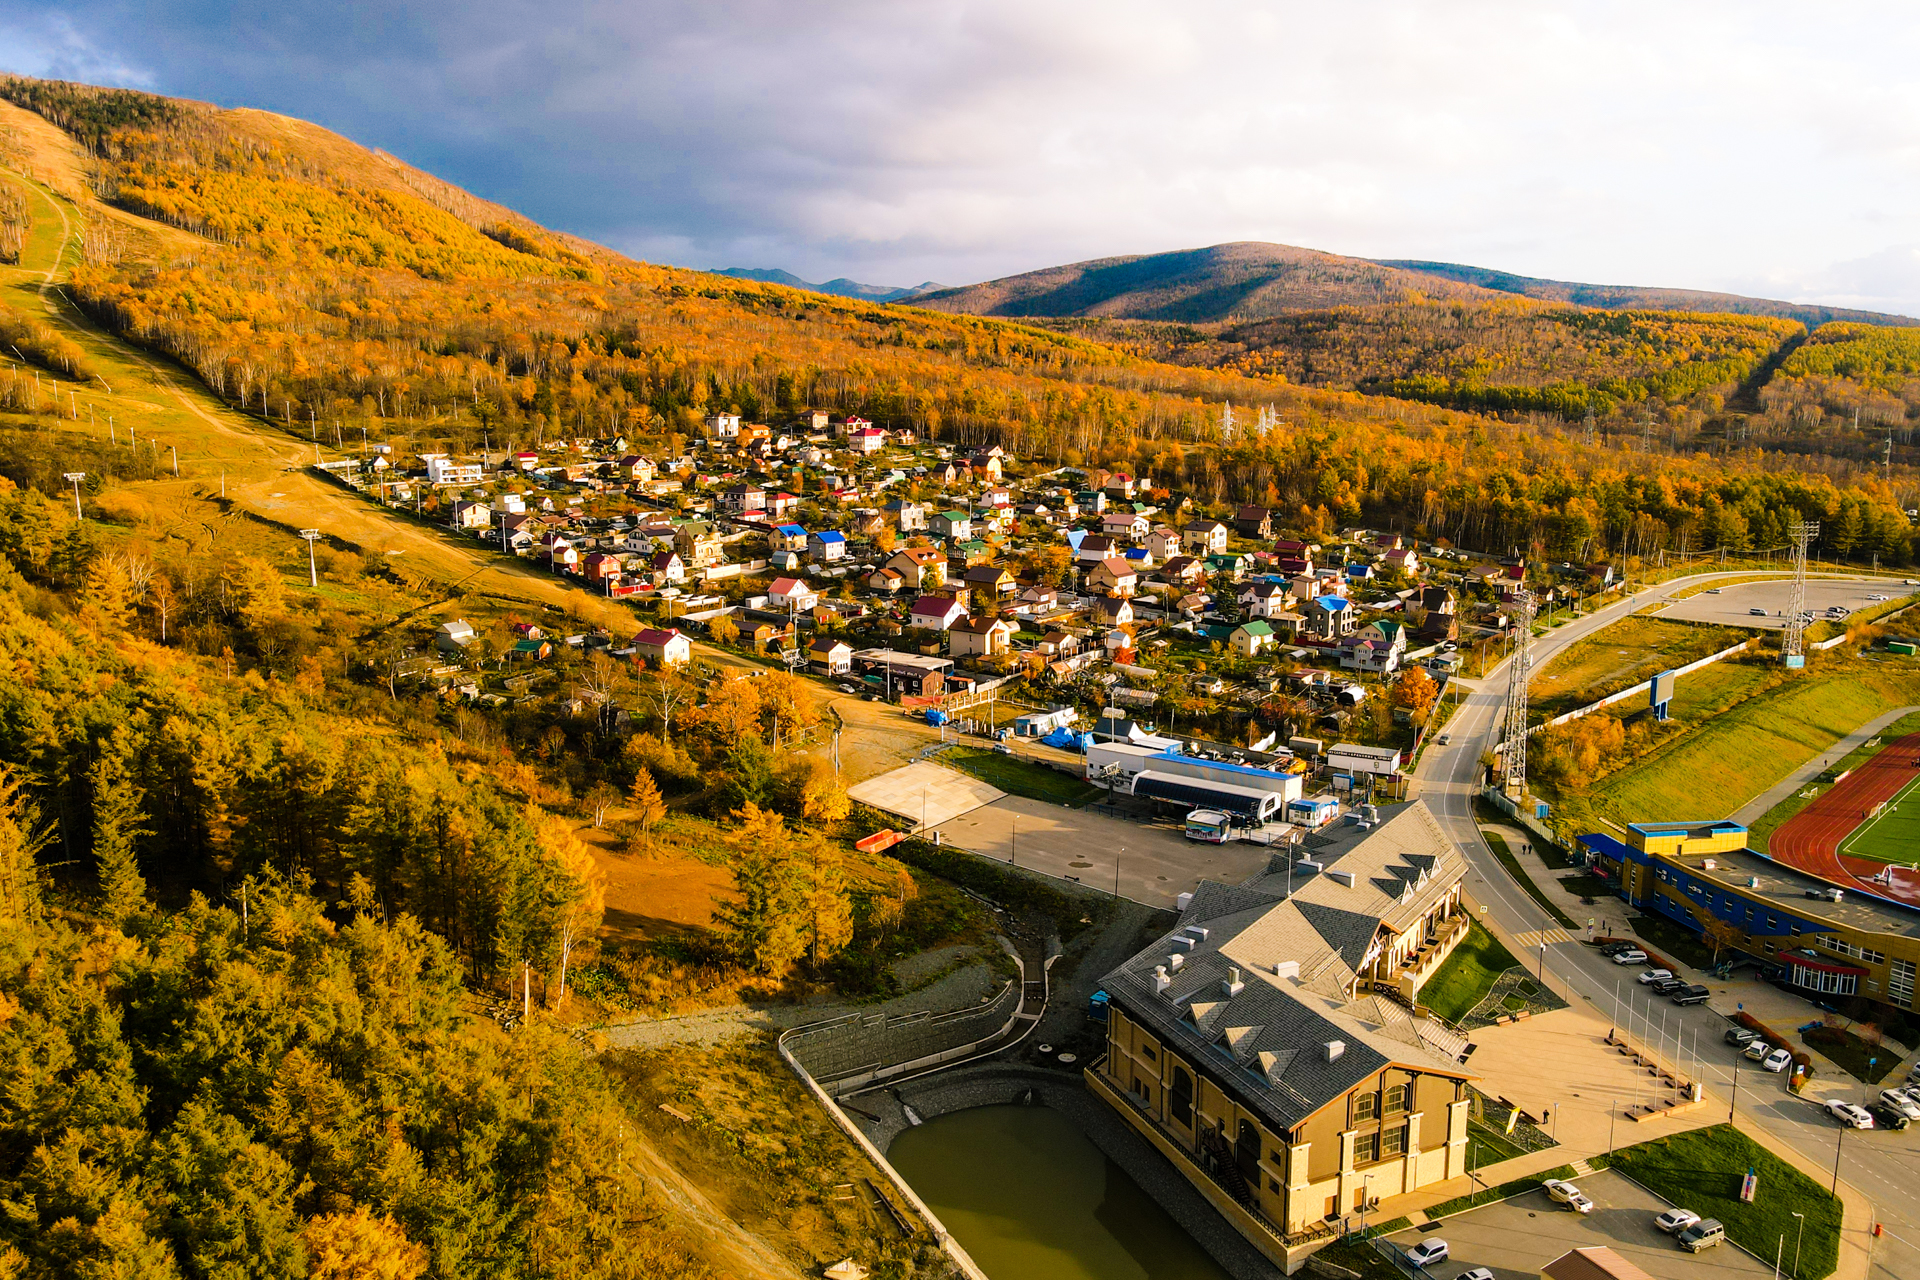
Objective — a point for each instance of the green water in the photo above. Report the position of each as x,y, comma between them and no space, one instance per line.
1031,1199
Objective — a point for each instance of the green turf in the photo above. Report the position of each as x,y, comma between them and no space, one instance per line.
1893,836
1701,1170
1762,829
1464,979
1020,777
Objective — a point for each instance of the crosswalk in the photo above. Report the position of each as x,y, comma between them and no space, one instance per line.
1542,937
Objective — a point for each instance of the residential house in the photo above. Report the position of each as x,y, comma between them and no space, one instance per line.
1059,644
1122,486
1093,501
1038,598
867,440
666,569
1386,631
792,594
787,537
1440,621
1183,571
994,579
865,522
601,568
529,649
1251,637
998,496
955,526
911,517
724,426
890,581
830,656
526,461
698,544
1113,611
1203,537
1250,1046
1124,524
1230,563
453,637
1094,547
921,567
1113,576
1162,542
944,473
826,546
472,515
668,648
442,470
965,555
986,466
1264,599
1329,618
558,551
635,467
1402,560
781,505
1360,653
979,637
937,613
1254,522
767,636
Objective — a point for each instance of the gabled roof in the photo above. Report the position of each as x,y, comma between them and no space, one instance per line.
787,586
1119,568
1330,604
982,626
1258,627
830,535
792,530
937,606
655,636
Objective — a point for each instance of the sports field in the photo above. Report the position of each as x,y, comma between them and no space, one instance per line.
1855,835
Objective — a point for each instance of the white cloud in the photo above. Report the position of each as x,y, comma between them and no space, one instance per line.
1710,145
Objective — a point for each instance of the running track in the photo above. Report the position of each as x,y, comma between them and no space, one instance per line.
1810,840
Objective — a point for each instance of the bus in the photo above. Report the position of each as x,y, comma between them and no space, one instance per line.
1210,825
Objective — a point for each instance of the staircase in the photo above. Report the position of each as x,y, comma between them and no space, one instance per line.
1581,1168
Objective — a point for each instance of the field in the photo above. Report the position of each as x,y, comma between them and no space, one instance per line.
1620,656
1815,839
1894,834
1019,777
1762,828
1739,727
1468,974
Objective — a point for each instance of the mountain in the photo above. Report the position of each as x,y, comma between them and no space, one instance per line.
839,288
1621,296
1252,280
1249,280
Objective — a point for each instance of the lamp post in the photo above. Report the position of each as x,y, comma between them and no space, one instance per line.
1798,1233
74,478
313,572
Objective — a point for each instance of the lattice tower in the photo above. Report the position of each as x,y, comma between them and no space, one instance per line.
1792,642
1522,666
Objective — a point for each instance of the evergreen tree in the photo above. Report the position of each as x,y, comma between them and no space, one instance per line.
118,825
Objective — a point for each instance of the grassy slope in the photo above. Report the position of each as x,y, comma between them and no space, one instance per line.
1620,656
1468,974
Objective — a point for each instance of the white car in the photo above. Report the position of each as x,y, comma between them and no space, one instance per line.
1478,1273
1848,1114
1579,1203
1427,1252
1876,597
1655,975
1674,1221
1757,1050
1713,591
1776,1061
1635,956
1560,1192
1902,1101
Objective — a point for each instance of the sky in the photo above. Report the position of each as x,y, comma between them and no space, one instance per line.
1752,147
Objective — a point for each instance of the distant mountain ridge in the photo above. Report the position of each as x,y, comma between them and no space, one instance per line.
1253,280
1639,297
839,288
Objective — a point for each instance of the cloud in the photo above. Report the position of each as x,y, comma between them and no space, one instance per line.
1707,145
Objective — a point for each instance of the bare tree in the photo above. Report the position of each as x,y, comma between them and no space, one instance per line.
669,692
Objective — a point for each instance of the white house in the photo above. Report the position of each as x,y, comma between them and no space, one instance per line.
827,546
668,647
1203,537
937,613
472,515
1250,638
442,470
978,636
792,593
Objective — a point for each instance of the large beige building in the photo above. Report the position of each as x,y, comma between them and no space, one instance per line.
1270,1046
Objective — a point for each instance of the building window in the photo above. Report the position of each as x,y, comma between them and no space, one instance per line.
1363,1107
1366,1148
1273,1185
1393,1142
1180,1100
1773,922
1396,1099
1749,915
1146,1051
1900,981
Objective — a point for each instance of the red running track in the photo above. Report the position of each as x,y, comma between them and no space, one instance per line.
1810,840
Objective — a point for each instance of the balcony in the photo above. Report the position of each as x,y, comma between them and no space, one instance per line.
1422,964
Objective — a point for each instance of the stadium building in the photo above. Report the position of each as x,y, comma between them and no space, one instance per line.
1826,942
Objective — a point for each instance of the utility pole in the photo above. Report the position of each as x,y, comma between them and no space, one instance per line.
313,572
1792,642
74,478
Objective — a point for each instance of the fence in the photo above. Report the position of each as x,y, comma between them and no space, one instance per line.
1642,687
860,1048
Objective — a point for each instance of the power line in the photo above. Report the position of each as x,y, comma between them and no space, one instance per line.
1515,746
1792,642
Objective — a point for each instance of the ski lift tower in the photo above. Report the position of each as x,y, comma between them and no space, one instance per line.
1793,651
1514,743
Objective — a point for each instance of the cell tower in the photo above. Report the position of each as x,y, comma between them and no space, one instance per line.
1226,423
1792,645
1515,742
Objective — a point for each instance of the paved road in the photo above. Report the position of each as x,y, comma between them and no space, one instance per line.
1733,606
1882,1166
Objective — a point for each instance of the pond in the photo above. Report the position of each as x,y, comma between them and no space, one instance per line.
1031,1198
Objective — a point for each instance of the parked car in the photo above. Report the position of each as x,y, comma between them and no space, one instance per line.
1887,1118
1776,1061
1848,1114
1899,1100
1478,1273
1634,956
1666,986
1740,1037
1427,1252
1559,1192
1703,1234
1695,994
1676,1220
1758,1050
1655,975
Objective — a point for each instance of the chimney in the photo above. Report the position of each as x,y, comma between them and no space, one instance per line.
1198,931
1174,962
1233,986
1286,969
1180,942
1334,1049
1341,877
1160,980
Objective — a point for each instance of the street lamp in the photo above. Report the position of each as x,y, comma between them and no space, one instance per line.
74,478
313,572
1798,1232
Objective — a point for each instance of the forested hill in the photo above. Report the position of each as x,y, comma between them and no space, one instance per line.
840,287
1639,297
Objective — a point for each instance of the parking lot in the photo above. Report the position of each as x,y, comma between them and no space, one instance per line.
1733,605
1517,1237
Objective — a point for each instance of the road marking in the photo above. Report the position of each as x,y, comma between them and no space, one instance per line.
1542,937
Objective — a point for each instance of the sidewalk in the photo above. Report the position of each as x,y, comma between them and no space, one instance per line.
1747,814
